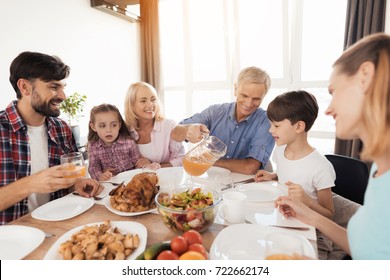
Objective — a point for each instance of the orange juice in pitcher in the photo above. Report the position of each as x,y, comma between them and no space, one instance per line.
194,166
200,158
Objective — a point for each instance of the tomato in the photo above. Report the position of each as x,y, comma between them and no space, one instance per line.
167,255
195,191
198,248
190,216
193,237
190,255
179,245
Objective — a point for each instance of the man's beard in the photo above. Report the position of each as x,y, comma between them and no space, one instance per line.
44,108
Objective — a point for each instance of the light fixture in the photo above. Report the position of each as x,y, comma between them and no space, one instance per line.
113,7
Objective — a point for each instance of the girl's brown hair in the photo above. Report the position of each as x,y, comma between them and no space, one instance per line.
130,116
376,108
104,108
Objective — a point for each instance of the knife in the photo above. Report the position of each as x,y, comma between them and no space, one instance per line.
235,184
290,227
281,226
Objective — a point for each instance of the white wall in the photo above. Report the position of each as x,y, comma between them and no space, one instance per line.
101,50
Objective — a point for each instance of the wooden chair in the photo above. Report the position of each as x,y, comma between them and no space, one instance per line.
351,177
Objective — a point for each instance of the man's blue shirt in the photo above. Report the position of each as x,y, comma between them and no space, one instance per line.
248,139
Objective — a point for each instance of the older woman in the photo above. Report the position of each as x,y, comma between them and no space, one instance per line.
360,88
148,127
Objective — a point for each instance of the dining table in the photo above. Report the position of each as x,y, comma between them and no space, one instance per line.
156,230
262,213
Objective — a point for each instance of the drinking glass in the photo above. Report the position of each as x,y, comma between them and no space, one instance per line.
200,158
283,246
75,162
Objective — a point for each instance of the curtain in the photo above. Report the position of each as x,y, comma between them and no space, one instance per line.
150,45
364,17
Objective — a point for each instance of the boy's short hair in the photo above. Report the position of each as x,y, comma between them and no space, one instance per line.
294,106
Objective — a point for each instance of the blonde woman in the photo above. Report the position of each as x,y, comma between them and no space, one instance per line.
360,89
149,128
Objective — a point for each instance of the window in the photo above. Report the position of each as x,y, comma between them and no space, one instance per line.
205,43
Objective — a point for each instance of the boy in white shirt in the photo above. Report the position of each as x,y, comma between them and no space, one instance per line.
308,175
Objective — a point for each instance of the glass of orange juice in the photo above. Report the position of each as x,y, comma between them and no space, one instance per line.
283,246
74,161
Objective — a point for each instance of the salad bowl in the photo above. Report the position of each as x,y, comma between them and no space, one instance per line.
185,208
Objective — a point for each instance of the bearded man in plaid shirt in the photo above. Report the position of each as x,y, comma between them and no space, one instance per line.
32,138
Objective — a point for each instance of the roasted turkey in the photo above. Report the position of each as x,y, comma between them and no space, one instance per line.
138,195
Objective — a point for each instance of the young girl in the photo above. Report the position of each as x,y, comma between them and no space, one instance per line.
110,147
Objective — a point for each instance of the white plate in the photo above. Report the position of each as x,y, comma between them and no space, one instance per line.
125,176
212,177
261,191
16,242
106,202
123,226
62,209
247,242
215,172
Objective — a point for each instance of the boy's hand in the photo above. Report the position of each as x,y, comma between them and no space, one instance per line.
263,175
296,191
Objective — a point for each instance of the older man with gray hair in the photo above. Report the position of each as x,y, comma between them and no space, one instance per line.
242,125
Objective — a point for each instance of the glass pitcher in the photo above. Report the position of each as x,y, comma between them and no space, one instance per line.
200,158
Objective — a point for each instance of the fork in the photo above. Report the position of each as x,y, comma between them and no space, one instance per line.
112,183
94,197
48,234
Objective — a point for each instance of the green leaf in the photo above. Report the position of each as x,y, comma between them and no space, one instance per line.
73,106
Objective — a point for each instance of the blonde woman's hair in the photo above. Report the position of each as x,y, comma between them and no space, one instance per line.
130,117
254,75
376,108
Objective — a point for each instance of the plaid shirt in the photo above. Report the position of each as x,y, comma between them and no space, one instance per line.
15,157
121,156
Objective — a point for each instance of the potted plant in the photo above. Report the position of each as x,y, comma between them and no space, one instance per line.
72,107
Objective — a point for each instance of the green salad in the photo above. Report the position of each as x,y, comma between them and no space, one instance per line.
187,210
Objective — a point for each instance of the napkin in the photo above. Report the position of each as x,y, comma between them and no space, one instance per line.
274,217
